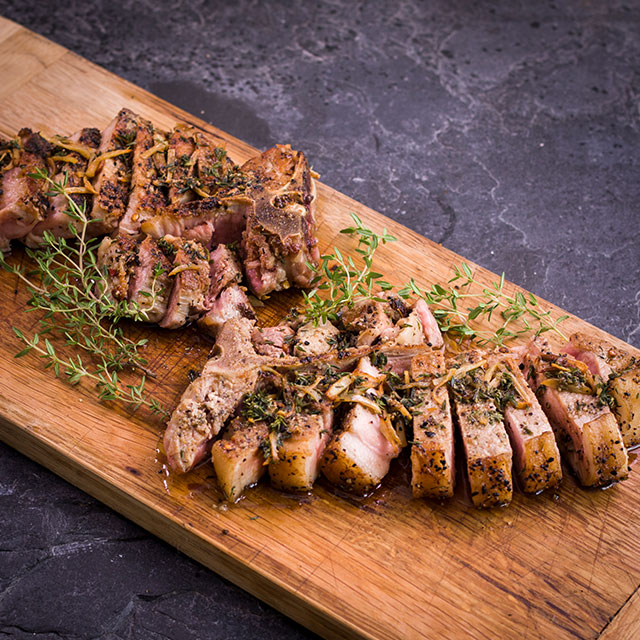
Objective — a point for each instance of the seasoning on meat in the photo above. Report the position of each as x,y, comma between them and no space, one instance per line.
585,428
432,449
485,440
620,372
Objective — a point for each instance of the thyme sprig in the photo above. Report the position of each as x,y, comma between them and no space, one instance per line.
71,291
338,283
447,304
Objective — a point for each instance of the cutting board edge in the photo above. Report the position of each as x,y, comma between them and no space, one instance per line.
39,445
172,531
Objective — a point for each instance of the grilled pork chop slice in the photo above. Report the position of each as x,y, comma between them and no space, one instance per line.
620,372
117,259
358,457
231,303
432,450
190,274
146,197
273,341
225,298
238,457
419,327
279,240
113,179
57,221
485,440
224,270
150,284
181,164
429,324
296,462
217,173
312,341
211,220
535,453
586,430
372,320
23,200
213,397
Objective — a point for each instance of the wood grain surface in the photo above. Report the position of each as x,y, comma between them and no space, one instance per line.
551,566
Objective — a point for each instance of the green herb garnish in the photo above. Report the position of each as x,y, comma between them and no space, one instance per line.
342,284
72,292
447,303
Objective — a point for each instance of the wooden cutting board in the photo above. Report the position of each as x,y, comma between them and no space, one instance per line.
552,566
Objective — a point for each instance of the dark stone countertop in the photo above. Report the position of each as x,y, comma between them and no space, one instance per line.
509,132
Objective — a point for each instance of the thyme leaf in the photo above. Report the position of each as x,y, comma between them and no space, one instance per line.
71,291
338,283
521,314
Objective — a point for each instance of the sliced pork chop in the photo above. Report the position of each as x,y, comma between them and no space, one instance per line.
225,298
190,274
358,457
429,324
213,397
617,358
296,463
279,240
146,197
620,371
314,340
117,259
113,178
432,450
150,284
75,160
211,220
535,453
372,320
23,199
217,173
586,430
419,327
485,440
181,164
273,341
225,270
238,457
231,303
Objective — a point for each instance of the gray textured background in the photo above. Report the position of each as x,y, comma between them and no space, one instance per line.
508,131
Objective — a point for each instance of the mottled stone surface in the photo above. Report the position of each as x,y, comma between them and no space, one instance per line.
507,131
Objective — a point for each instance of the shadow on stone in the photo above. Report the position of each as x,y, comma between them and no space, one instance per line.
231,115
